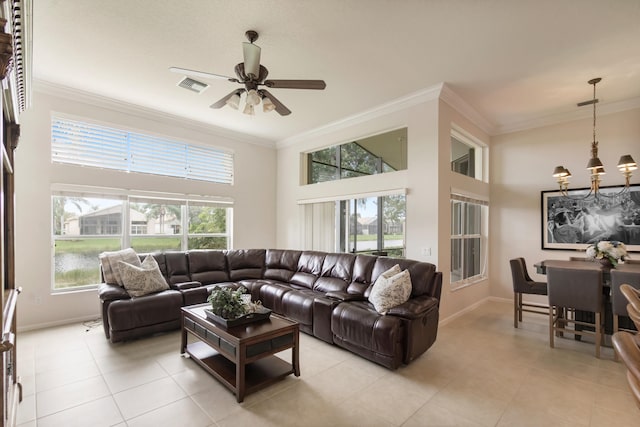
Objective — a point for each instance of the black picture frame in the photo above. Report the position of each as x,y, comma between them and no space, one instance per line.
575,222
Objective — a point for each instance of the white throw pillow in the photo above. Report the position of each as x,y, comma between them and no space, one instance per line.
110,267
142,280
389,292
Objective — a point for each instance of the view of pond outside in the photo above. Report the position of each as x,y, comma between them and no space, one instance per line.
85,227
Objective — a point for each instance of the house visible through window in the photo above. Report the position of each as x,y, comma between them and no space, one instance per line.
85,224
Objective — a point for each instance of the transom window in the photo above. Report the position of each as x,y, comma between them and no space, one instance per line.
382,153
467,156
88,144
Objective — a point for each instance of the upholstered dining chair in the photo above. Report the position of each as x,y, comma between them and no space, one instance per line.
575,289
626,345
619,300
523,284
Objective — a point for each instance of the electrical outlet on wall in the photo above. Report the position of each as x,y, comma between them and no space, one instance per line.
426,252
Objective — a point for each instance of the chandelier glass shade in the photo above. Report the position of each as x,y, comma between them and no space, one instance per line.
626,165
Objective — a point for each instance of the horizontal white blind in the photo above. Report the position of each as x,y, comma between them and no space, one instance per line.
88,144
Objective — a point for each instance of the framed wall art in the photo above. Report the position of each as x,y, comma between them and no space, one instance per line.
574,222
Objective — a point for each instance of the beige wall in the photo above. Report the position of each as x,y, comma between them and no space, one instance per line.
427,180
521,167
253,191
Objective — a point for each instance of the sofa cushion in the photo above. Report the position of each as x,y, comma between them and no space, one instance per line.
361,275
309,268
245,263
335,273
208,267
422,274
390,290
177,267
142,280
109,263
281,264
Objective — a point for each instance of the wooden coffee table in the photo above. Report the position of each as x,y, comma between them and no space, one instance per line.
241,357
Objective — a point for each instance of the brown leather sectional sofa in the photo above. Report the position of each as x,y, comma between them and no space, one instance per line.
326,293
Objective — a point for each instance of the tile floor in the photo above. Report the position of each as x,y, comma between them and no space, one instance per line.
480,372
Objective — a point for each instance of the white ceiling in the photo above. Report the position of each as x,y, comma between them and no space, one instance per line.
516,62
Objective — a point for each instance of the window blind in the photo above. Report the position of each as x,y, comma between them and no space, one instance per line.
87,144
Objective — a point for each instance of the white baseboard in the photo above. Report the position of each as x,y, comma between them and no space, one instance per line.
58,323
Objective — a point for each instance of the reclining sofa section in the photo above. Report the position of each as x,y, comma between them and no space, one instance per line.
326,293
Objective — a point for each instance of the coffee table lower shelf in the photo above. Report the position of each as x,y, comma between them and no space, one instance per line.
258,374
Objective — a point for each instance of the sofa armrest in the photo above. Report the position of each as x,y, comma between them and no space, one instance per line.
414,308
185,285
344,296
109,292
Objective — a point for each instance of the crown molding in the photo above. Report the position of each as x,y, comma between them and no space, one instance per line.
578,114
399,104
100,101
464,108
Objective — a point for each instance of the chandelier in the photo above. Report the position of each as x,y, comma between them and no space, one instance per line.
626,165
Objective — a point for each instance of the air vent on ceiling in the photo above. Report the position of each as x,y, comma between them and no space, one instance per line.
193,85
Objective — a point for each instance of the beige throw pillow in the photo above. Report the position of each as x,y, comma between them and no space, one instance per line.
389,292
110,267
142,280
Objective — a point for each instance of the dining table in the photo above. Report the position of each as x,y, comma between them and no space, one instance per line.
625,322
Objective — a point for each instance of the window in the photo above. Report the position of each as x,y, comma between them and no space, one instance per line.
372,225
87,144
377,154
468,248
86,224
466,156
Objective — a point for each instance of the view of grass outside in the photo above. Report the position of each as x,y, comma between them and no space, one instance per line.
86,227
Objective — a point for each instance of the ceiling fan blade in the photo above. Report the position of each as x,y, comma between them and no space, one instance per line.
200,74
280,108
251,53
296,84
223,101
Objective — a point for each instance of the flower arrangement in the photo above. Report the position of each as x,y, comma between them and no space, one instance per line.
613,251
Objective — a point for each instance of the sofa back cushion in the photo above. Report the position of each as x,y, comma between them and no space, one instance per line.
245,263
336,273
281,264
361,275
422,274
208,266
309,269
177,267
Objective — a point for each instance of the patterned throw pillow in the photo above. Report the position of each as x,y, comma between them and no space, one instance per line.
143,280
388,292
109,262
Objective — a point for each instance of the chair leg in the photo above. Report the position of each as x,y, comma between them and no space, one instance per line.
615,329
598,334
551,328
515,309
520,307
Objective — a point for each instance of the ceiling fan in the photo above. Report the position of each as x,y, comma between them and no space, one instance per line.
253,76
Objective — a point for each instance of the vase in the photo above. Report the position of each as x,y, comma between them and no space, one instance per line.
605,262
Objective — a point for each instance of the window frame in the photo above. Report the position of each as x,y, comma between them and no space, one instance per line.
463,235
88,143
125,236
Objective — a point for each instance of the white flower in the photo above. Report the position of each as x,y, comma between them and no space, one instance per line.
591,252
604,246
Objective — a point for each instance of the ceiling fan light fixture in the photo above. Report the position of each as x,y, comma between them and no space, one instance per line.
234,101
253,98
248,109
267,105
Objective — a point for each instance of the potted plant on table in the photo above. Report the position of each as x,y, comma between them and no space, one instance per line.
231,307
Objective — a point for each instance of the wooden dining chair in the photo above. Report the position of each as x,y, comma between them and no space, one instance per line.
626,345
523,284
575,289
